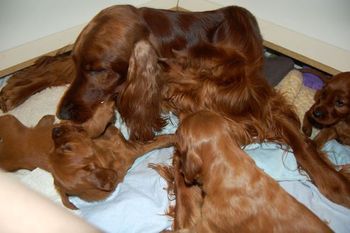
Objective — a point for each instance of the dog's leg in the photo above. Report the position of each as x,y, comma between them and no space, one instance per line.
331,183
307,127
324,135
47,72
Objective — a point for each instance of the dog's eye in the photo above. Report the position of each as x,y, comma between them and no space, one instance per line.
1,140
93,69
67,147
89,167
339,103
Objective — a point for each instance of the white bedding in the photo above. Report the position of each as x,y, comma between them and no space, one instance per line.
140,202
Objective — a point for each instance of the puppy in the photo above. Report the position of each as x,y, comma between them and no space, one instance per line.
237,195
24,147
92,168
331,111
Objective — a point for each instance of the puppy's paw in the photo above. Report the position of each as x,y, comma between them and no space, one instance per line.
307,130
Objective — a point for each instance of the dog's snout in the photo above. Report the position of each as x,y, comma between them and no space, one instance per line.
74,112
65,111
318,113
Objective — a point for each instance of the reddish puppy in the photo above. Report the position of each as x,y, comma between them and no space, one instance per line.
331,111
23,147
92,168
237,196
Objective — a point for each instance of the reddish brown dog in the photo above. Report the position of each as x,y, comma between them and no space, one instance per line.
92,168
237,195
116,56
22,147
331,111
81,166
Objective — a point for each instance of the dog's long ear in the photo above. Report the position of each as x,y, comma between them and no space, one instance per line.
140,101
103,179
191,166
64,196
46,120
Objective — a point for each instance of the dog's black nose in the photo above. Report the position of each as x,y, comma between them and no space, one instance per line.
318,113
65,112
57,132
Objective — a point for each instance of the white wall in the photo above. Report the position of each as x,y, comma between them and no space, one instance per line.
324,20
316,29
22,21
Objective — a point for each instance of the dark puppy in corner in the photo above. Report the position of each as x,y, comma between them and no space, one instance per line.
331,111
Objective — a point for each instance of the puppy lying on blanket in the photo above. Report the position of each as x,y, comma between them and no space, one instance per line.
92,168
237,196
22,147
81,164
28,148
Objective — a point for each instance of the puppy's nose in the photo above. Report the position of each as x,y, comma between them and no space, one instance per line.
318,113
57,132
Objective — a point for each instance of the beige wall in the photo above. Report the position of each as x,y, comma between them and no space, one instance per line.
317,30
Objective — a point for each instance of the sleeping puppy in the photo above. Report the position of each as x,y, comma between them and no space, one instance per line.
331,111
92,168
237,195
24,147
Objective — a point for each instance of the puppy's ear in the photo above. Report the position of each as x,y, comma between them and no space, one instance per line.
64,196
191,166
103,179
112,132
46,120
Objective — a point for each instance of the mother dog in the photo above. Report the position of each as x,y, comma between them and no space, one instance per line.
227,45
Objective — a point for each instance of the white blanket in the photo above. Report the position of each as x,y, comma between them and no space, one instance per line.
139,203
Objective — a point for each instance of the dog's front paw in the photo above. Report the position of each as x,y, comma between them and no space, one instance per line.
10,98
307,130
16,91
5,102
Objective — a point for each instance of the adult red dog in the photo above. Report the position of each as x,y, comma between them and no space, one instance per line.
116,56
102,51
